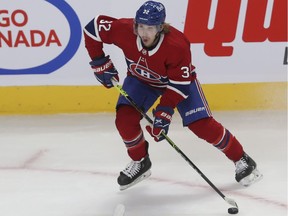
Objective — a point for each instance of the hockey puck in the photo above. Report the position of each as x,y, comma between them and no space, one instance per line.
233,210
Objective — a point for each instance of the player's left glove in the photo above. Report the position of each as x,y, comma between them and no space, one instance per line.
104,71
162,119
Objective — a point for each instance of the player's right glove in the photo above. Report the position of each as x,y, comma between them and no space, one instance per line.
161,123
104,70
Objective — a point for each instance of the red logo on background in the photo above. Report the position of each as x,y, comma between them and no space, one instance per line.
226,22
35,38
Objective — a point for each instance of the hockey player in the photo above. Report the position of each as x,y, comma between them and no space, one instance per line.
159,64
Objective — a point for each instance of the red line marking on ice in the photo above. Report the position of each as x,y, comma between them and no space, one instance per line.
236,193
101,173
33,158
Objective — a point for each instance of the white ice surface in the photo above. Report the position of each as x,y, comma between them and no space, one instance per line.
67,165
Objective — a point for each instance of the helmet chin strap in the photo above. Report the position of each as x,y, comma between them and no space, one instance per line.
157,37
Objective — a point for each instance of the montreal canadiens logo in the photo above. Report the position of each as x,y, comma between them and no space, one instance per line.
32,43
146,74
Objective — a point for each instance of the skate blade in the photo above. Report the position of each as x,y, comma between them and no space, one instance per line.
254,177
139,179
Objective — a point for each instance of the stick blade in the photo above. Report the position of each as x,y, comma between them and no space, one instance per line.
119,210
231,202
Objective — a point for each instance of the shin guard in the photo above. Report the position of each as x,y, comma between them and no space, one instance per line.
128,124
221,138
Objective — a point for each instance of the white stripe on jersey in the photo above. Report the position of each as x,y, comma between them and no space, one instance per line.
180,82
177,91
96,36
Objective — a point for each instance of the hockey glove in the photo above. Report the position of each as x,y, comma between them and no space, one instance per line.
104,70
162,119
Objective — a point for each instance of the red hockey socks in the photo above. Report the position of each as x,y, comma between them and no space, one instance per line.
128,124
214,133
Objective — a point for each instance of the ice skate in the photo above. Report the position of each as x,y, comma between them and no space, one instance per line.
246,171
135,172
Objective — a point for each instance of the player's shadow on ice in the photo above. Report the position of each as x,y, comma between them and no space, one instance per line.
142,196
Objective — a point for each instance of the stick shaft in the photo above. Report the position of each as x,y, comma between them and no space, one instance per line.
124,93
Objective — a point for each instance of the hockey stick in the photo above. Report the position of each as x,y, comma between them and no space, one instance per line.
230,201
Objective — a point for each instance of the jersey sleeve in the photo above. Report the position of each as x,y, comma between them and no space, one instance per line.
97,32
180,74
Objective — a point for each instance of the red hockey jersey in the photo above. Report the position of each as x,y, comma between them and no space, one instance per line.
167,66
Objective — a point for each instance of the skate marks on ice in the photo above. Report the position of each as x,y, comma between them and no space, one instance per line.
62,161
